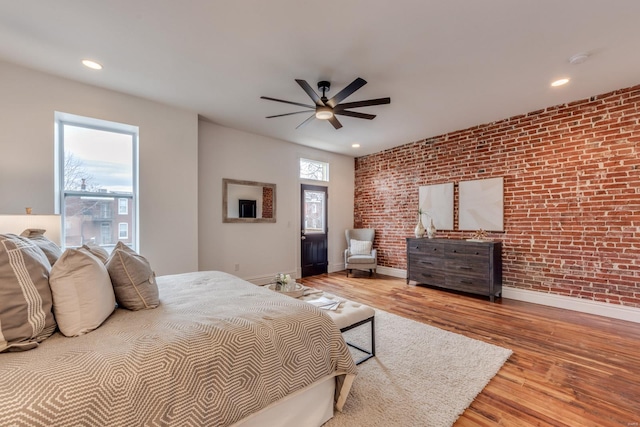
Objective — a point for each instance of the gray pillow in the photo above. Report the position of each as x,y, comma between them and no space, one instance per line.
134,282
50,249
25,297
97,251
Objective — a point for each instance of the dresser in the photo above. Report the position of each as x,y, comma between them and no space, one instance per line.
461,265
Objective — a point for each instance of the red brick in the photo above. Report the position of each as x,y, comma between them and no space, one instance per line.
572,199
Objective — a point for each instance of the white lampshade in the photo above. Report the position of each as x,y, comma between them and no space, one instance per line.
16,224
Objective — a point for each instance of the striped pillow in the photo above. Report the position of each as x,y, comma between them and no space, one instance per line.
360,247
25,297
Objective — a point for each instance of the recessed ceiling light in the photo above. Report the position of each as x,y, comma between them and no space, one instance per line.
355,145
91,64
560,82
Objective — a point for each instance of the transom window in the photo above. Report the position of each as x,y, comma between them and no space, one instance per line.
314,170
97,181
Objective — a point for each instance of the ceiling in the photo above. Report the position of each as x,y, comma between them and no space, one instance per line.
446,64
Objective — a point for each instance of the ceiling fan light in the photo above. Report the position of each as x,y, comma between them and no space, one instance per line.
324,114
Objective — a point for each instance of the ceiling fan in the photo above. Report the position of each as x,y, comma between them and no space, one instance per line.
328,109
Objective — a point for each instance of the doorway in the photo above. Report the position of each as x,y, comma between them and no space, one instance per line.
314,229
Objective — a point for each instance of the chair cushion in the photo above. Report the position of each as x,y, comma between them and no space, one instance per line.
360,247
361,259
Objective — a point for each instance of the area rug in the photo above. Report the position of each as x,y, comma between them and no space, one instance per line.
421,375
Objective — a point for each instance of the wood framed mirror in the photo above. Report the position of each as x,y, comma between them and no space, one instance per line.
248,201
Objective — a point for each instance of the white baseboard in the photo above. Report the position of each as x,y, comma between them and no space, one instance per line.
393,272
571,303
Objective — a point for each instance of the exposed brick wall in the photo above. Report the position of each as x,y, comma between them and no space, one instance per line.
267,202
571,194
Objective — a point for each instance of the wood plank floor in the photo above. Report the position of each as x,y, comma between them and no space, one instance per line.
567,369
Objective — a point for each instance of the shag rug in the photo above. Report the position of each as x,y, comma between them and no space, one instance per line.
420,376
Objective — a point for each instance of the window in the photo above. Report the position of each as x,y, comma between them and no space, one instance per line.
123,206
96,176
123,230
312,169
105,233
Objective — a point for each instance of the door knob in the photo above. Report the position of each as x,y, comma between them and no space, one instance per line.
302,237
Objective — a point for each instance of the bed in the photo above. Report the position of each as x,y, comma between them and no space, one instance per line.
217,351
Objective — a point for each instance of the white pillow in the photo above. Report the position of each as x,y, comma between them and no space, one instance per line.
360,247
82,293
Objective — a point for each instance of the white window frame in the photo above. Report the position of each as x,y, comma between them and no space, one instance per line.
123,208
323,166
60,120
121,235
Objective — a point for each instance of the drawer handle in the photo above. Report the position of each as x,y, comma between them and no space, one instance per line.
455,251
426,275
435,249
466,282
463,267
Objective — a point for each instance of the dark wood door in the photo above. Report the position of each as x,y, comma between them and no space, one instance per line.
314,228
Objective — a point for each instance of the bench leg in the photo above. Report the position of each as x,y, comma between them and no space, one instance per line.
368,353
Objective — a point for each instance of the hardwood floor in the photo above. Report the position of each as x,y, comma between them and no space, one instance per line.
567,369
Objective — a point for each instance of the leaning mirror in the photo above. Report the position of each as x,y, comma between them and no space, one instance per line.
248,201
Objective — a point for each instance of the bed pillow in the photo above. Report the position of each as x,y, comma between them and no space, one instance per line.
25,298
360,247
50,249
134,282
97,251
82,294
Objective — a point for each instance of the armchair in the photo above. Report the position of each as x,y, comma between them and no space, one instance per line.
360,253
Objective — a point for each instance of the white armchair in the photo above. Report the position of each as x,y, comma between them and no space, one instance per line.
360,253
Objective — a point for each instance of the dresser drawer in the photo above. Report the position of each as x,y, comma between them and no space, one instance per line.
425,276
468,284
467,251
424,247
467,267
430,262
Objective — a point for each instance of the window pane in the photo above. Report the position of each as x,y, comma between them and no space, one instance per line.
91,219
97,160
311,169
314,205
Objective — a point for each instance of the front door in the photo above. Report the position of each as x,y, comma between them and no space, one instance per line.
314,228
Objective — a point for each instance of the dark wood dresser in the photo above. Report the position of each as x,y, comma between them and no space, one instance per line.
474,267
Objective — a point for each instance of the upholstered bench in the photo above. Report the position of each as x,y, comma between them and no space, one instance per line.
350,315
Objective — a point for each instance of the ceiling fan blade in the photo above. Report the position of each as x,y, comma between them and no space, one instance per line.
287,114
312,93
334,121
367,103
288,102
313,116
355,114
344,93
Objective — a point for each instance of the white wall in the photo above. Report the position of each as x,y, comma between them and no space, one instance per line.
168,157
264,249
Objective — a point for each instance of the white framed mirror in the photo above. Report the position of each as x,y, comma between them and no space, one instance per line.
248,201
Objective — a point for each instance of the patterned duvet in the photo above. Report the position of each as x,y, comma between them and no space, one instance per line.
216,350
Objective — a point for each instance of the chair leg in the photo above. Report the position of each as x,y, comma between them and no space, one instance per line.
370,272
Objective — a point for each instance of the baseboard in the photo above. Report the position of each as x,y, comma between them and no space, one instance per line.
393,272
614,311
263,280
